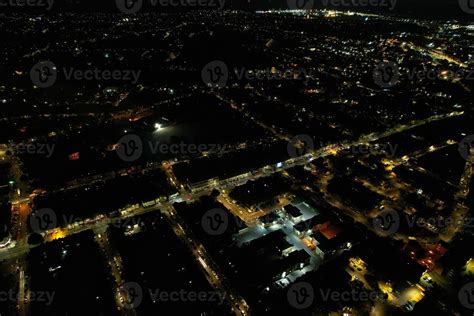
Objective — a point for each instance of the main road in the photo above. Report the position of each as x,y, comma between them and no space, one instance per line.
20,247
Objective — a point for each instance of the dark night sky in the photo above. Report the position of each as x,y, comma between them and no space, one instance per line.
444,9
431,9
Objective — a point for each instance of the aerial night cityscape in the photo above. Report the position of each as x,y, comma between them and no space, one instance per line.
236,157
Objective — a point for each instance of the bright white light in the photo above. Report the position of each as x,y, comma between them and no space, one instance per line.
157,126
